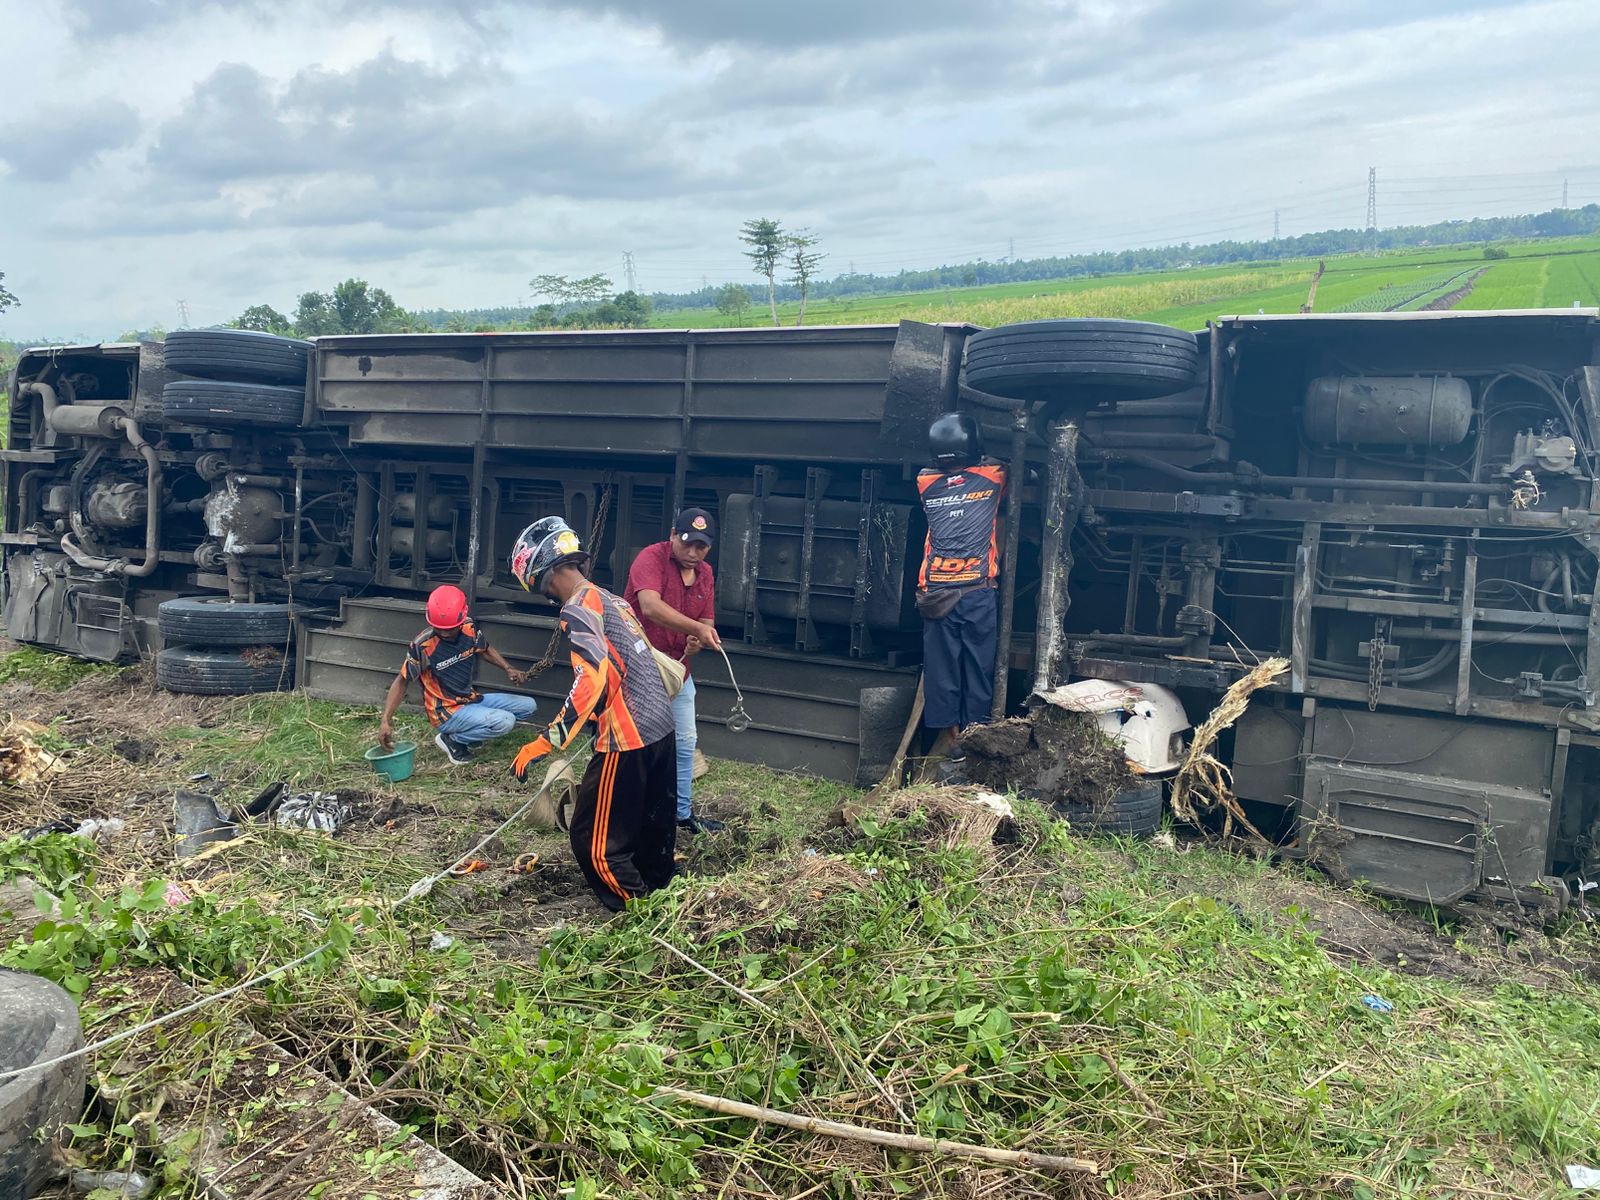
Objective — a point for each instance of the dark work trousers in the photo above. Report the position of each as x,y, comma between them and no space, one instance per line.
625,823
958,662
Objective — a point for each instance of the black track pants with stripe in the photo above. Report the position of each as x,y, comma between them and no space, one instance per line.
625,824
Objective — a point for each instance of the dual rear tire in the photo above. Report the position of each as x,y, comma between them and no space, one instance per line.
241,379
215,647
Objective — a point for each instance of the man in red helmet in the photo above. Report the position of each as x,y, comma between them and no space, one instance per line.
441,658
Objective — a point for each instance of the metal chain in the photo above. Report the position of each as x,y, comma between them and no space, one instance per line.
1380,646
596,532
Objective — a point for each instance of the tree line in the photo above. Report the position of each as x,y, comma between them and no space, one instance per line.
1570,222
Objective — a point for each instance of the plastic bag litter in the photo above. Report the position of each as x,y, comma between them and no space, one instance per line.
1585,1179
101,828
321,812
129,1184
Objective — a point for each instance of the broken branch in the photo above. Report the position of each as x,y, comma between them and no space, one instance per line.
1024,1159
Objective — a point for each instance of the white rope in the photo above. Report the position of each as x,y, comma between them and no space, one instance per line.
422,887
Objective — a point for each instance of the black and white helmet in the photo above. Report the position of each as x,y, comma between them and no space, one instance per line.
547,543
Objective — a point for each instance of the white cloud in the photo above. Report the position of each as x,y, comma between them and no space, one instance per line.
231,152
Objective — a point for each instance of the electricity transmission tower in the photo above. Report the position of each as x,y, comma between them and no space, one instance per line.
1275,226
627,269
1564,194
183,314
1372,207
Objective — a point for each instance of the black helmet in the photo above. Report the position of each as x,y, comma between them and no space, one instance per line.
546,544
953,440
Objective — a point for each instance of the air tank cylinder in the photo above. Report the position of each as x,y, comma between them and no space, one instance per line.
1377,410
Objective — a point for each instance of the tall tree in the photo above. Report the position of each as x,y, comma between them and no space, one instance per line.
7,300
632,311
589,290
354,306
733,301
803,262
557,287
314,315
263,318
362,308
765,237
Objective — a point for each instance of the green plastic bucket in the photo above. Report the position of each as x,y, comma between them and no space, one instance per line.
396,763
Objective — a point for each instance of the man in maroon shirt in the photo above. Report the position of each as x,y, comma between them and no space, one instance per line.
671,588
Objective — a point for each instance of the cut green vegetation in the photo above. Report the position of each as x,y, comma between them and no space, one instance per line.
48,670
1195,1022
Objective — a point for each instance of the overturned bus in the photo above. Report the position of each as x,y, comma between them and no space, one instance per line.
1404,506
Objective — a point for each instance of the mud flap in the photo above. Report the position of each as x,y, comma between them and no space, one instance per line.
884,713
45,607
1418,837
33,604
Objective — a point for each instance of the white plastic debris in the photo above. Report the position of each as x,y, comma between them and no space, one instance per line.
1585,1179
1164,840
995,803
101,828
321,812
129,1184
1147,719
440,941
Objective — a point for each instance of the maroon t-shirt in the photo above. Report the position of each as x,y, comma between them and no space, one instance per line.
655,570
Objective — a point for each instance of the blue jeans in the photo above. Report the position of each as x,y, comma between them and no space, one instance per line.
491,717
958,654
683,717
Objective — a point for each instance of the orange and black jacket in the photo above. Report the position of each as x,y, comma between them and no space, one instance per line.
614,679
963,508
445,668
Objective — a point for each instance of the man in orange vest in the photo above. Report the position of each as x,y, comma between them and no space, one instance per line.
442,658
624,826
960,567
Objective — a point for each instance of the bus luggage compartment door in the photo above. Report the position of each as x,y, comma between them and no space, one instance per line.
1426,838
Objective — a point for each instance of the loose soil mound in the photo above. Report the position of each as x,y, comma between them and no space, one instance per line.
1062,758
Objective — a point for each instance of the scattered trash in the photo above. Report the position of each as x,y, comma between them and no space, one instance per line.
59,825
321,812
995,803
809,852
23,761
129,1184
1164,840
175,896
101,828
1377,1003
199,822
266,799
200,778
524,864
471,867
1585,1179
440,941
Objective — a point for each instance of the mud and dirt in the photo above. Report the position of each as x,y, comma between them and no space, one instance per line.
1061,758
1450,299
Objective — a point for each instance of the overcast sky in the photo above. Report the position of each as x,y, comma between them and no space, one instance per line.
233,152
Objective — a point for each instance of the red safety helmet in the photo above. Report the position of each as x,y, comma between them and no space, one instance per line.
447,607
